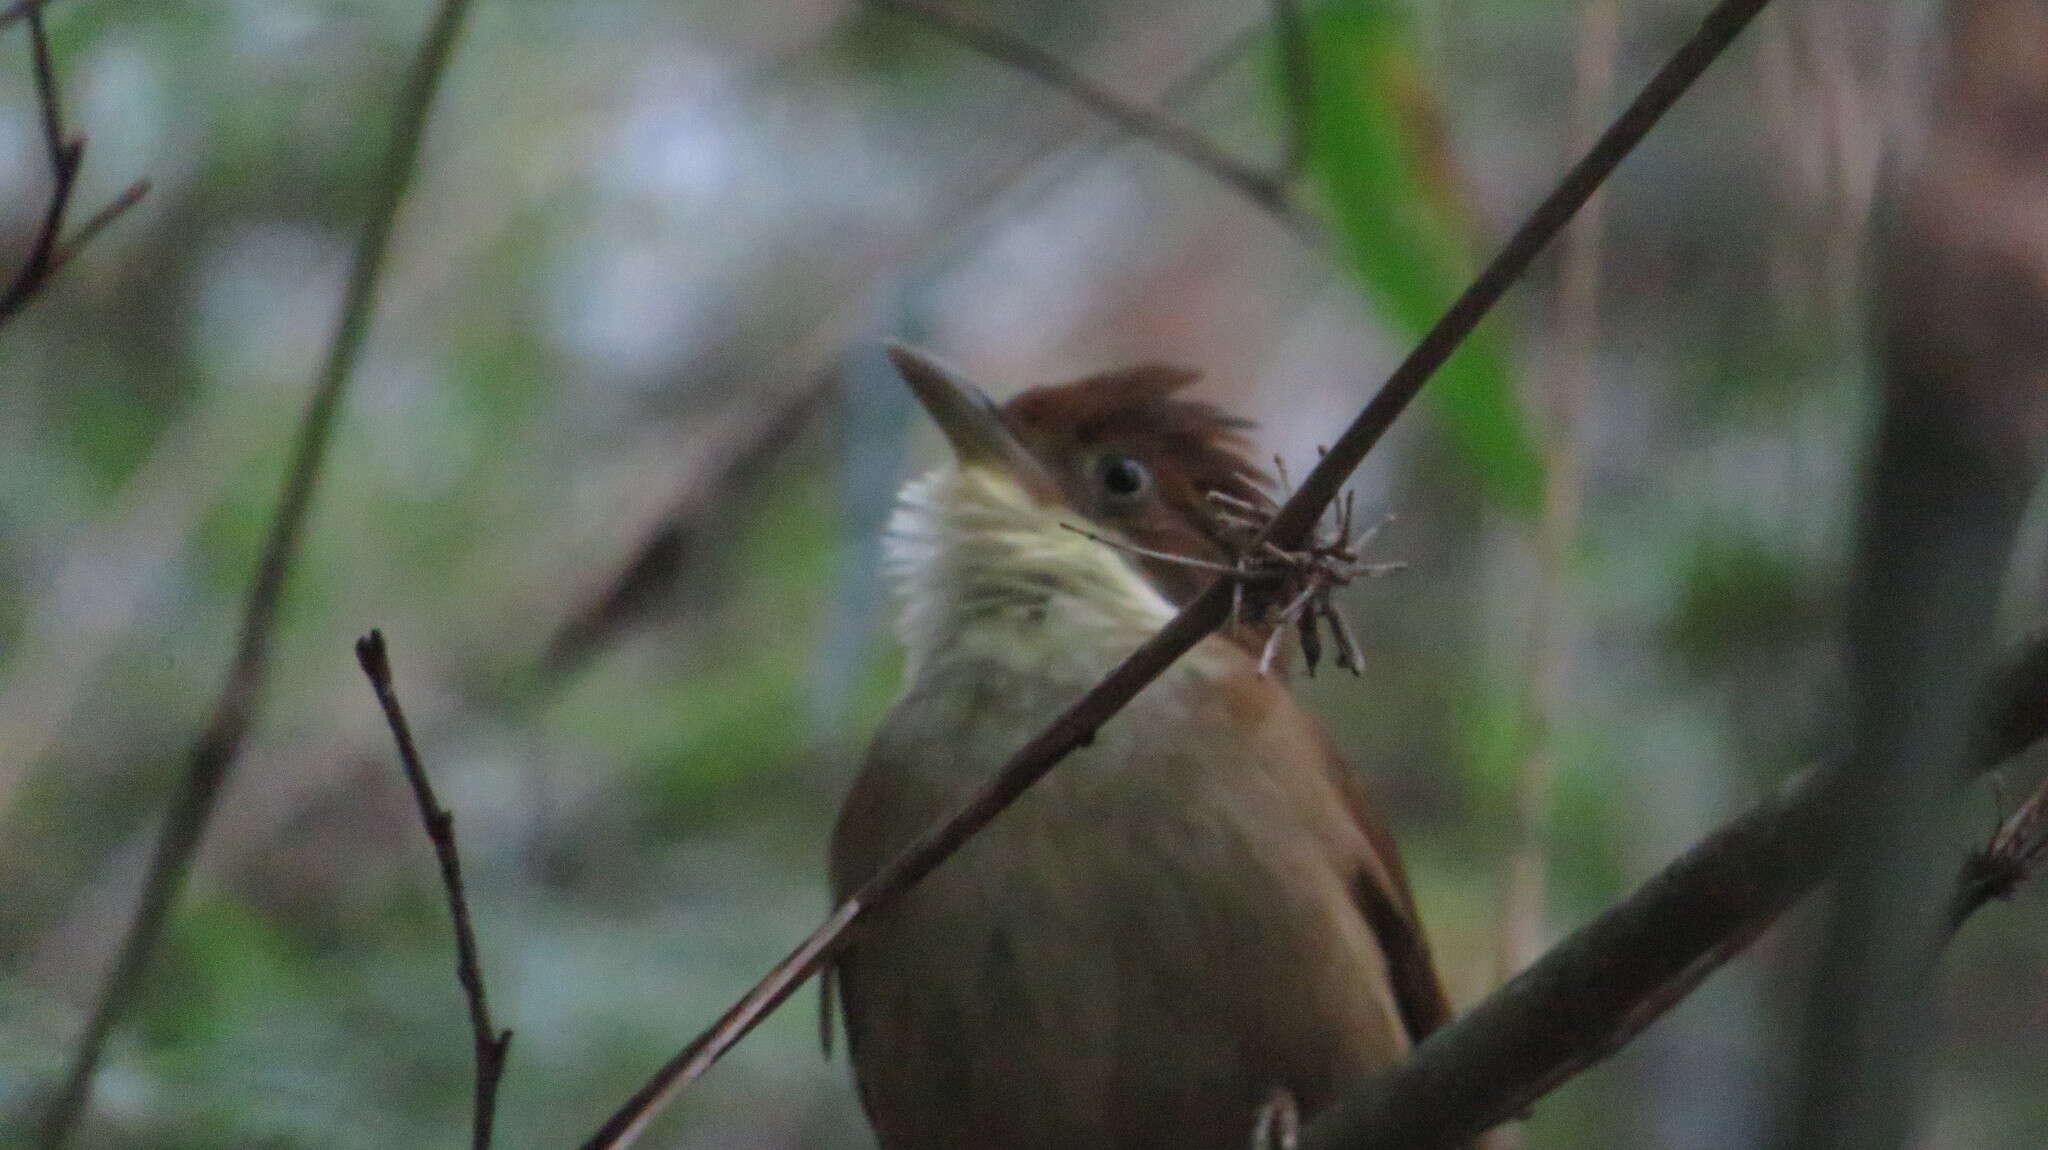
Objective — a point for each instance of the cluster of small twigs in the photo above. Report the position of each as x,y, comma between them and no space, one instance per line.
2017,849
51,250
1295,589
1275,590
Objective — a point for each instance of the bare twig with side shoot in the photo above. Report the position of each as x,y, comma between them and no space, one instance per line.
490,1042
50,250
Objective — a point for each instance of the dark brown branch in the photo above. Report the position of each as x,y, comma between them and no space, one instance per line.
49,252
1290,527
1611,978
215,750
1265,190
489,1041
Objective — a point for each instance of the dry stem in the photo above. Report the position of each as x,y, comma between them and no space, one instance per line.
66,153
1266,190
490,1043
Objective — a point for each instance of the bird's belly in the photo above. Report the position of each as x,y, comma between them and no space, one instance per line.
1112,967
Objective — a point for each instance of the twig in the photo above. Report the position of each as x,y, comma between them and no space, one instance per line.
1209,610
66,157
2015,852
217,746
1273,590
1277,590
489,1041
96,223
742,441
1209,565
1265,190
18,10
1600,987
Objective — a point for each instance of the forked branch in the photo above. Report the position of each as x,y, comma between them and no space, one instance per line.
50,251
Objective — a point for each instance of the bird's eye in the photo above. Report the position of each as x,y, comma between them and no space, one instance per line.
1122,477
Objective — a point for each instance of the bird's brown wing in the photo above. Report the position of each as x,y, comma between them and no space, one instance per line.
1389,908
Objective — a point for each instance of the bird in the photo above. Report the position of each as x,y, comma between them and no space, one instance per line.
1198,912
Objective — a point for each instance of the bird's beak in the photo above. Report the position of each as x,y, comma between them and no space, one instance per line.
971,421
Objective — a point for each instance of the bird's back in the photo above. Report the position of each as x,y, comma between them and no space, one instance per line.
1160,933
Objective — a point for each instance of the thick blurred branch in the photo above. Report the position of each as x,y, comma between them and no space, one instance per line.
219,743
490,1043
1290,526
1268,190
1962,305
49,251
1599,988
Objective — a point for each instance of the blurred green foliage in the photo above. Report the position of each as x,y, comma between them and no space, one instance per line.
1382,158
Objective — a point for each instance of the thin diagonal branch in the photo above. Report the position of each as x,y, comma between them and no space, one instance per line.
66,154
1722,24
741,441
215,750
1265,190
96,223
490,1042
1208,611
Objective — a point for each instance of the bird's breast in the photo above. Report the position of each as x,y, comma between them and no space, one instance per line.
1163,925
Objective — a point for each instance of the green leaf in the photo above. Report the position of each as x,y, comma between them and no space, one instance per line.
1377,150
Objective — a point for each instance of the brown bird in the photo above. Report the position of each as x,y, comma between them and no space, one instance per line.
1198,909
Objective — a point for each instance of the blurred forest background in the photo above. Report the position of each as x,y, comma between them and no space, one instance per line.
613,467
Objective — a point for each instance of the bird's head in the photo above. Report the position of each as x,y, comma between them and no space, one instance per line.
988,543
